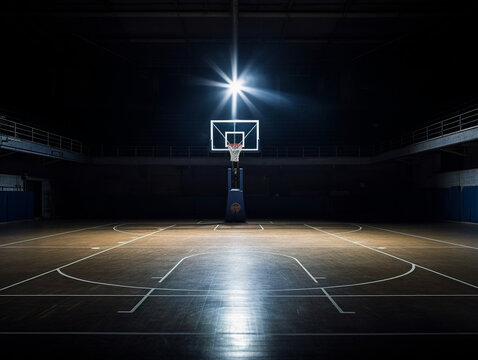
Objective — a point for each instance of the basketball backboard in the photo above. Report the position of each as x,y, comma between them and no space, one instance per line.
244,132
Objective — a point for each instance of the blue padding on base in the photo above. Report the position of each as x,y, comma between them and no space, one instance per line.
235,211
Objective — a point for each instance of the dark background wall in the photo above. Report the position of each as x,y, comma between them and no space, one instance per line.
134,80
421,187
332,191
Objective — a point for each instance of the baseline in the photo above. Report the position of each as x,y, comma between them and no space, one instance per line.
56,234
82,259
395,257
258,294
252,333
422,237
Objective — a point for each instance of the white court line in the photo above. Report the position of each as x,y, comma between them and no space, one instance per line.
218,227
137,305
359,228
395,257
100,283
186,257
128,232
412,268
82,259
234,333
56,234
177,264
48,247
219,247
422,237
303,267
352,231
226,291
216,293
335,304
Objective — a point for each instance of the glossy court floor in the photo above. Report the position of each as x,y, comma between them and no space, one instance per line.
261,290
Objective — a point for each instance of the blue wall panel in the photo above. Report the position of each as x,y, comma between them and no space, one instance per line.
470,203
474,204
16,206
3,206
450,203
19,205
459,204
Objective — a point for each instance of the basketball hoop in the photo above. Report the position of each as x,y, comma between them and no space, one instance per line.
235,151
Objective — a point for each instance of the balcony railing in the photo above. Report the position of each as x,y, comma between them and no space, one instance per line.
14,129
454,124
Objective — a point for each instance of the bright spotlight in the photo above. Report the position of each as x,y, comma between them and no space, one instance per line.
235,86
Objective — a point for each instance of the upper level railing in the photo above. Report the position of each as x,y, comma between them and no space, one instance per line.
462,121
10,127
465,120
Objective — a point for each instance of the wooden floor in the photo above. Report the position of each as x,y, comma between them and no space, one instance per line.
262,290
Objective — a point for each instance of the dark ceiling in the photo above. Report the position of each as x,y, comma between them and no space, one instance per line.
343,71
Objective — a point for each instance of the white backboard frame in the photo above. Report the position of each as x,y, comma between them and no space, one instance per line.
214,127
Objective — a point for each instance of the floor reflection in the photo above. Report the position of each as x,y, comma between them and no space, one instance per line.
238,321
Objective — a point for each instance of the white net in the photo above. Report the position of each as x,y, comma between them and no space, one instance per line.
235,151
